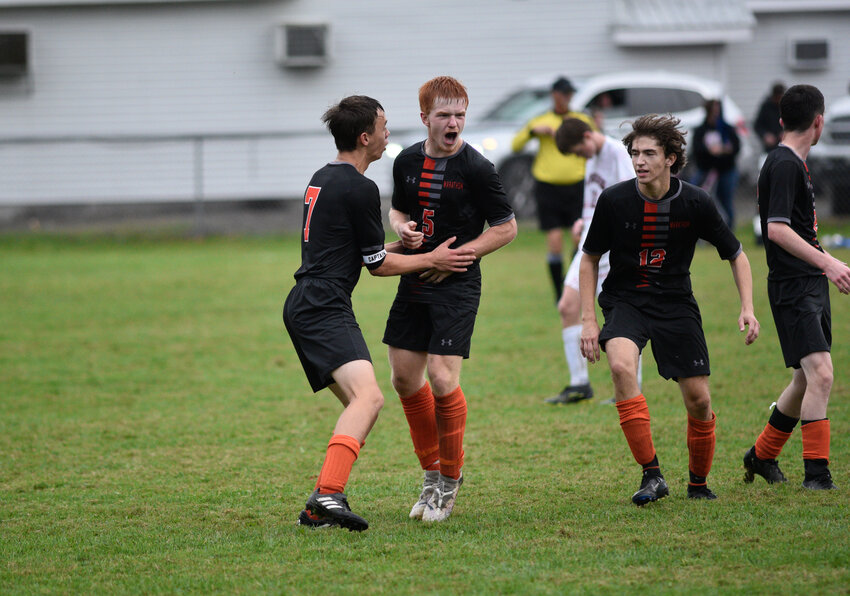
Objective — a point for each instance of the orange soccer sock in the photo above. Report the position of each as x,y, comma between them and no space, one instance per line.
451,424
701,441
419,411
634,420
340,457
816,439
776,433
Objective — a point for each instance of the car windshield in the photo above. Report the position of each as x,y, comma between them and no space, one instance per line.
520,106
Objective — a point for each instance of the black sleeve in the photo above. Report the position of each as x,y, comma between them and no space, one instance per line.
365,217
783,183
492,199
598,240
715,230
399,200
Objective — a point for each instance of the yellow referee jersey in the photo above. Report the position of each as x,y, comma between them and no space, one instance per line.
550,165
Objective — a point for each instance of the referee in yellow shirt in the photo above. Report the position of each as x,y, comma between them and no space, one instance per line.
559,177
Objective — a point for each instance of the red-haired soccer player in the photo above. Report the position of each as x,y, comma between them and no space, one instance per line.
798,290
343,232
651,225
443,188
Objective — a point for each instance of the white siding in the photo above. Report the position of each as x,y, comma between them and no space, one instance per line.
104,76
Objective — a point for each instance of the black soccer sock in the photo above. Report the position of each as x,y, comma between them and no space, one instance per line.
694,479
781,422
652,468
556,270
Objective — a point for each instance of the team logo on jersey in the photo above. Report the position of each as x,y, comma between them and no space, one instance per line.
457,185
378,256
410,179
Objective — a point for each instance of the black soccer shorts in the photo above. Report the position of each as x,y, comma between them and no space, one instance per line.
321,324
673,326
441,329
801,312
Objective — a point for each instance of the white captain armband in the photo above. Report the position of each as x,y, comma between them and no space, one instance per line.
374,261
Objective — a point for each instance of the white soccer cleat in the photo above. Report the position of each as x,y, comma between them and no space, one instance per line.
429,485
441,503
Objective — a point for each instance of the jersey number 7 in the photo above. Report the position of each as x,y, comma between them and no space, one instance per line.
310,199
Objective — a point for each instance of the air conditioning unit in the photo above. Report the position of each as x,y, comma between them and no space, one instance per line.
808,54
302,45
14,53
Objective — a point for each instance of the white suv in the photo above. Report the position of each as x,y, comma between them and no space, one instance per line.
829,160
631,94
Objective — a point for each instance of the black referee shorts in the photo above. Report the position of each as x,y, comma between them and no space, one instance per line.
673,326
558,205
802,315
321,324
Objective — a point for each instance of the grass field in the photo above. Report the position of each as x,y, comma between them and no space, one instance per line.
157,435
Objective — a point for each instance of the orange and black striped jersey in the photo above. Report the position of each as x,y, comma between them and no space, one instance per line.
652,242
449,196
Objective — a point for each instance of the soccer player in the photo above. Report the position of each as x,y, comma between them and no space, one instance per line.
799,272
443,188
342,232
558,177
608,162
651,225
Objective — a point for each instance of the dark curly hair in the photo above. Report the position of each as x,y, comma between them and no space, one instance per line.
664,129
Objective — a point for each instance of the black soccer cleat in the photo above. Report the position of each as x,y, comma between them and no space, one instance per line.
571,394
820,483
766,468
652,488
700,491
327,511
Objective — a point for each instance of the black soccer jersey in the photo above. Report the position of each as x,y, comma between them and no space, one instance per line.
342,227
652,242
450,196
785,194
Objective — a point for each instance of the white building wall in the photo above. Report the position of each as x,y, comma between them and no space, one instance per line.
755,66
183,100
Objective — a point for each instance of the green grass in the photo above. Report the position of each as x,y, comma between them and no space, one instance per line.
157,435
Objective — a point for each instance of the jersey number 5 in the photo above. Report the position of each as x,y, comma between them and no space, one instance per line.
652,259
427,222
310,199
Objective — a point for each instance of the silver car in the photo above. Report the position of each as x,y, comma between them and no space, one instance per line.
619,97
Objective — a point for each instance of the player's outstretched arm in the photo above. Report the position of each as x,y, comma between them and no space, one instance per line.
743,276
588,278
443,258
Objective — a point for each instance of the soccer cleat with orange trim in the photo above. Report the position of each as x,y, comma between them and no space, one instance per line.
327,511
766,468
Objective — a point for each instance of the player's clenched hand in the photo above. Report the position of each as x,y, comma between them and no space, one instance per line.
410,238
749,322
839,274
454,260
590,341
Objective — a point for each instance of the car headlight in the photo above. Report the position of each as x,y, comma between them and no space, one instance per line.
490,144
393,149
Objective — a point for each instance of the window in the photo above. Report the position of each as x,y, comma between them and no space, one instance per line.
14,54
808,54
302,45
